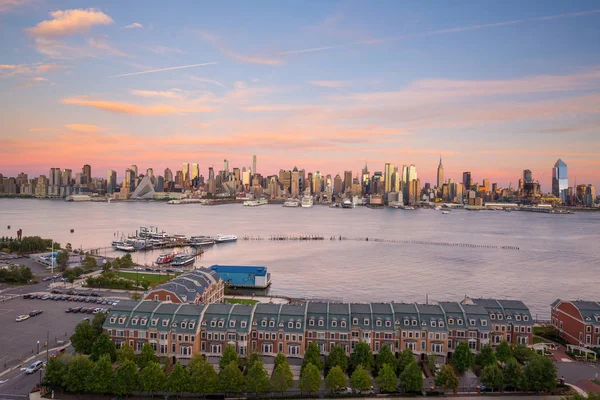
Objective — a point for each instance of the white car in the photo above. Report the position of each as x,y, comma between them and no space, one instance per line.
34,367
22,318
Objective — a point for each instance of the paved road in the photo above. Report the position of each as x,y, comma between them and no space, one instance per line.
17,384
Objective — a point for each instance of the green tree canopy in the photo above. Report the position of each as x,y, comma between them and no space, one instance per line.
252,356
146,356
485,357
62,259
56,371
204,377
257,379
98,323
152,378
336,379
539,374
312,355
523,353
361,355
446,378
280,358
462,358
337,356
89,263
231,379
103,345
492,377
513,376
83,338
503,352
126,379
178,380
77,372
282,378
310,381
229,355
411,379
125,353
405,358
360,379
387,379
100,379
385,356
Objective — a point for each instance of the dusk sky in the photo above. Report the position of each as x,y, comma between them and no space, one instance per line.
494,87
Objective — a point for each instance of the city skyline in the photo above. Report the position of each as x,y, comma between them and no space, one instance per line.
496,89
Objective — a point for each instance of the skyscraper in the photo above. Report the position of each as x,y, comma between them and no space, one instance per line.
467,180
560,180
195,171
226,166
295,182
527,176
149,172
440,174
185,170
337,184
347,180
168,175
134,168
87,173
387,176
111,181
254,171
67,176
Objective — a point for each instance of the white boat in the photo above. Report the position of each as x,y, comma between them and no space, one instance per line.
347,203
254,203
307,199
125,247
202,240
445,212
225,238
291,203
183,259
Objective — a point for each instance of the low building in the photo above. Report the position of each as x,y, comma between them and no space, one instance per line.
243,276
198,286
578,322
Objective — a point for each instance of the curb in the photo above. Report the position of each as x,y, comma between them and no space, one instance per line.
27,360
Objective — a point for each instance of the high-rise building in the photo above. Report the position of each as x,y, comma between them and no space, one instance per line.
87,174
150,172
467,180
168,175
236,174
440,174
285,180
226,166
295,182
211,173
111,181
337,185
160,184
67,176
245,177
195,171
387,176
347,180
486,185
254,171
527,176
179,178
590,196
54,182
185,170
560,180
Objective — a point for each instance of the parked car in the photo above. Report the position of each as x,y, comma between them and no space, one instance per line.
46,279
35,312
55,291
26,296
94,294
34,367
58,352
45,297
68,310
22,317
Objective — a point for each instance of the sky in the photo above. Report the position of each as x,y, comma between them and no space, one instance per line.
491,87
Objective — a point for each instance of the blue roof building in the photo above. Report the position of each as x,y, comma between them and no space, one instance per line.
243,276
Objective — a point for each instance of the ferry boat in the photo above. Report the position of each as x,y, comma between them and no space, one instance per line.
165,258
307,200
291,203
347,203
181,260
254,203
225,238
202,240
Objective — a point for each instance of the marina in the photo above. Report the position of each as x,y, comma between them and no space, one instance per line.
149,238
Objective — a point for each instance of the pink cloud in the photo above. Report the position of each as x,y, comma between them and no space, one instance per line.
69,22
128,108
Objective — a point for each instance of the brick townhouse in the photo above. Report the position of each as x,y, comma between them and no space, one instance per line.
578,322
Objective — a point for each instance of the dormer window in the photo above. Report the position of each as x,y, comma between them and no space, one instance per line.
174,325
113,320
526,318
433,324
366,321
122,320
183,324
500,317
354,321
483,322
203,323
272,323
424,323
165,322
213,323
154,321
518,317
459,321
450,321
243,324
298,325
221,323
134,321
414,322
388,323
232,324
192,324
263,323
343,324
492,316
472,322
311,322
143,321
406,321
378,322
290,324
321,322
441,324
333,323
281,324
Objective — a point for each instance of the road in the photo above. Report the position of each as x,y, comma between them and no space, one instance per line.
17,384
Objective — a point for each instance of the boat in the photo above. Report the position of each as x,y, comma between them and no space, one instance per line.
437,208
124,247
307,199
347,203
225,238
165,258
291,203
181,260
445,212
254,203
202,240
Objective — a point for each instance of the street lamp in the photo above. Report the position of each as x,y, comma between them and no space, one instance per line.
38,347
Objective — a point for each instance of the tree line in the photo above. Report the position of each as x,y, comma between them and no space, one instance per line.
16,274
27,244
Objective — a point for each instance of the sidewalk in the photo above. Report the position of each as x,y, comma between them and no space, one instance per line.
28,360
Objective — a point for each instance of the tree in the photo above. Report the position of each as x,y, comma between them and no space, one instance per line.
385,356
125,353
431,363
257,380
336,379
146,356
25,274
462,357
492,377
103,345
252,356
231,379
337,356
89,263
98,322
310,380
360,379
411,379
106,266
361,355
145,284
135,296
503,352
513,376
229,355
100,378
77,371
178,380
62,260
56,371
126,379
84,337
312,355
405,358
523,353
539,374
279,359
386,378
485,357
282,378
204,377
446,378
152,378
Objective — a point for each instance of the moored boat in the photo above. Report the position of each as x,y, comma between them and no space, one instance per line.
225,238
165,258
181,260
291,203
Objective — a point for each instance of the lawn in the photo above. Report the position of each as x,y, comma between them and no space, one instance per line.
537,340
596,381
241,301
153,279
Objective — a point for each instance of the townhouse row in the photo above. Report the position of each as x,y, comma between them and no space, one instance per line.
182,330
578,322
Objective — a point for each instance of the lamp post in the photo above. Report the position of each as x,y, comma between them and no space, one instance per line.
52,258
38,351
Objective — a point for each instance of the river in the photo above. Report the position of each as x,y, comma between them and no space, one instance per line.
558,256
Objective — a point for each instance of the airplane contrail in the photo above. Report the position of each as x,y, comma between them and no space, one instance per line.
165,69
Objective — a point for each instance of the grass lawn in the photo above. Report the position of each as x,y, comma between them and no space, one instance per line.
241,301
596,381
537,340
153,279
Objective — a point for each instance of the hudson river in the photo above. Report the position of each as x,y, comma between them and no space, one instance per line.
558,256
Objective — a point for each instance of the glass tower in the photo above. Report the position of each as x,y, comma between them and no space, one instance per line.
560,180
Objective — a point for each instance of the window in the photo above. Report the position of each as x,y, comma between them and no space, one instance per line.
263,323
290,324
459,321
588,328
232,324
174,325
173,336
518,317
141,334
321,322
168,297
243,324
492,316
280,336
165,322
272,323
433,324
332,335
437,347
525,317
298,325
377,323
221,323
173,348
333,323
472,322
311,322
483,322
500,317
406,321
184,324
366,321
113,320
388,323
231,336
441,324
143,321
343,324
354,321
155,297
414,322
134,321
122,320
281,324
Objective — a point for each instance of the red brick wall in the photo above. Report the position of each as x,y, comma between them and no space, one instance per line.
162,296
572,322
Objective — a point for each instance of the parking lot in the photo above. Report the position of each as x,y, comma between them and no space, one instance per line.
19,339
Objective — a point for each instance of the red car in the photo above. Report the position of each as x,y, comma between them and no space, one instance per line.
58,352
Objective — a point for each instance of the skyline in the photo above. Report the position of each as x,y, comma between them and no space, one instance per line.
492,88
